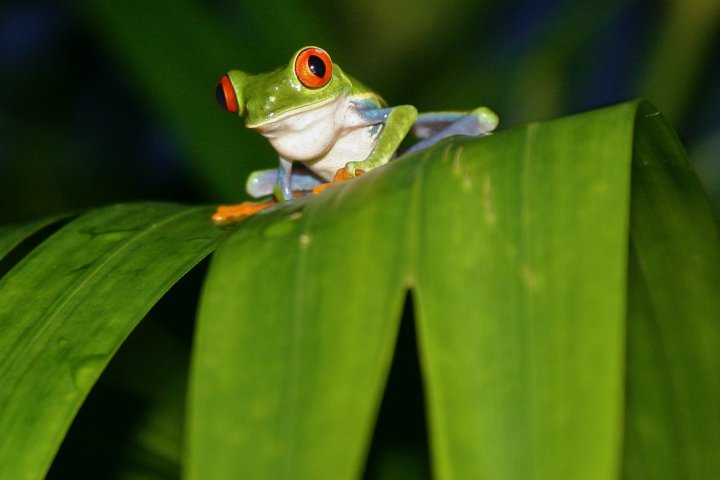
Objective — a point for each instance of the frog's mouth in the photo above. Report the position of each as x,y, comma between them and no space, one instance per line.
273,118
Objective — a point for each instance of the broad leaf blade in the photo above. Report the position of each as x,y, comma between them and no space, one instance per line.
673,384
12,235
68,306
516,249
538,338
297,324
522,342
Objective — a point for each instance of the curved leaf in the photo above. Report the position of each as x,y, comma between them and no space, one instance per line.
12,235
673,382
289,364
68,306
522,343
516,249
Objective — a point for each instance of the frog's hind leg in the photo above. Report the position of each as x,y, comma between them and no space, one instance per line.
233,213
433,127
262,183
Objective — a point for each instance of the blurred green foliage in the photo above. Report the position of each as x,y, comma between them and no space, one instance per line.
109,100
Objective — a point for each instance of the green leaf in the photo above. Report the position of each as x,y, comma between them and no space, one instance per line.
515,247
12,235
522,340
296,333
68,306
673,380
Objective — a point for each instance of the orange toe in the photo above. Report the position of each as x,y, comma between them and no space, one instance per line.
320,188
340,176
226,213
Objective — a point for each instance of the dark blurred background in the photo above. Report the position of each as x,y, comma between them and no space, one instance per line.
107,100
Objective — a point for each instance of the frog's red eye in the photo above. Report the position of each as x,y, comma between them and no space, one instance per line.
313,67
225,94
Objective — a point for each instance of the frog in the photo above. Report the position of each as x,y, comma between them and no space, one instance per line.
326,127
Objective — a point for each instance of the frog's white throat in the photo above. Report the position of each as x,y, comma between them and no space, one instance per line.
324,135
308,132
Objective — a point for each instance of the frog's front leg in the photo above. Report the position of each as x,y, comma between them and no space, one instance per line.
283,188
398,121
433,127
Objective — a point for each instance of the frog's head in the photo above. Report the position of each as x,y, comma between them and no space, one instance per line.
308,81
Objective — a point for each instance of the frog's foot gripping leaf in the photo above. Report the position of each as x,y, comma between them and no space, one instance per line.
232,213
340,176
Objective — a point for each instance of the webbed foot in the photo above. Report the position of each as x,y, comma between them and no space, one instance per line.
486,121
340,176
227,213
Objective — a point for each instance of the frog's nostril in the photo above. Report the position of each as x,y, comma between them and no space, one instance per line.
225,95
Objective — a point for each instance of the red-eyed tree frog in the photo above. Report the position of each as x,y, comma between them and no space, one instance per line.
313,113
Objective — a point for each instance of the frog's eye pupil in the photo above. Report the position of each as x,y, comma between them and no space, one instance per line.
316,66
220,95
313,67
